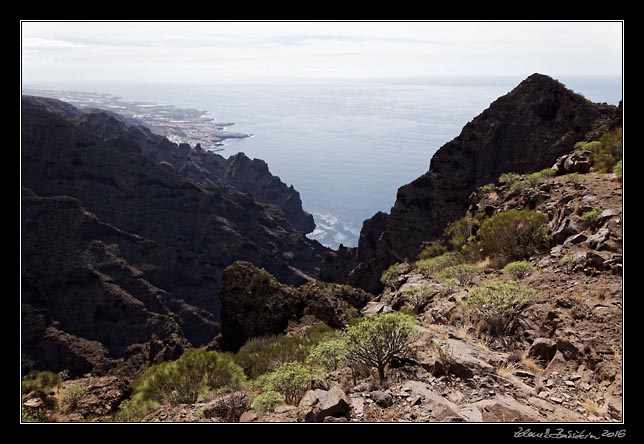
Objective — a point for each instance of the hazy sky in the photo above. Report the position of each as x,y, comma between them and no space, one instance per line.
136,52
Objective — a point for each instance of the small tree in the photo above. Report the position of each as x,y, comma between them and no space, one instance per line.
291,380
417,296
498,304
462,231
267,401
518,269
328,354
435,248
463,273
434,265
514,234
183,380
374,341
389,277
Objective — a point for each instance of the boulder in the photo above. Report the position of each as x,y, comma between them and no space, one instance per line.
570,225
543,349
317,405
597,240
441,409
569,349
248,417
576,162
383,399
373,308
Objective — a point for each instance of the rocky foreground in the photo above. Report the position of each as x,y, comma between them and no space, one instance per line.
564,363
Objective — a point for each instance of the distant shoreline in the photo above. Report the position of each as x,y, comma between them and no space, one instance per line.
179,125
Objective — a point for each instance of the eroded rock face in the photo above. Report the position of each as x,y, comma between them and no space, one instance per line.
255,304
118,250
526,130
318,405
250,176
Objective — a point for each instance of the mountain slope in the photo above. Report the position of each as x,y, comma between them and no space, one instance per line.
184,235
525,130
205,167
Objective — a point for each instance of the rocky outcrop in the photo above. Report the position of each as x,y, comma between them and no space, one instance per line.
205,167
576,162
83,304
117,249
322,405
254,304
526,130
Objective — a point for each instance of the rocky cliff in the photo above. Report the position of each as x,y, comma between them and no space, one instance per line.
523,131
120,248
254,304
205,167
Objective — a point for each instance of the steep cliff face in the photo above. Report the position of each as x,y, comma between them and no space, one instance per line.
205,167
254,304
523,131
157,271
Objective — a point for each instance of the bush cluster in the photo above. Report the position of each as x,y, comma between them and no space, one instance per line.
498,305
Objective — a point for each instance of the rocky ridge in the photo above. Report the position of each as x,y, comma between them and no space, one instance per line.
141,238
205,167
525,130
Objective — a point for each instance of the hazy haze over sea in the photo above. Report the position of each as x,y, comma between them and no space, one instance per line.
345,146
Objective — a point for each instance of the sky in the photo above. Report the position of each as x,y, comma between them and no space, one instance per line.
66,53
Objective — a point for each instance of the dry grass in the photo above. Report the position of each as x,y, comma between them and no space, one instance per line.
592,406
444,336
481,345
463,332
485,263
506,370
531,365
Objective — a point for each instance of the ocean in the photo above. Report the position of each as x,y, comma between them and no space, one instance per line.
346,146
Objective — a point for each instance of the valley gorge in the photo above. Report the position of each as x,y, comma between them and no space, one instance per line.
136,250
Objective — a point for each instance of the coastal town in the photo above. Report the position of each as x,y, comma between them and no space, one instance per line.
179,125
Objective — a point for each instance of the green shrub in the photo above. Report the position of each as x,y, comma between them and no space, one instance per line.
606,151
508,178
329,354
617,169
374,341
267,401
44,381
435,248
34,414
291,380
518,269
134,409
434,265
487,188
463,273
591,217
72,396
417,296
183,380
520,185
514,234
450,284
389,277
261,355
499,305
462,231
538,177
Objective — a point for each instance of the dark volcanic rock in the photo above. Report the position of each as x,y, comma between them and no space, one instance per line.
337,265
254,304
526,130
205,167
91,303
138,249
